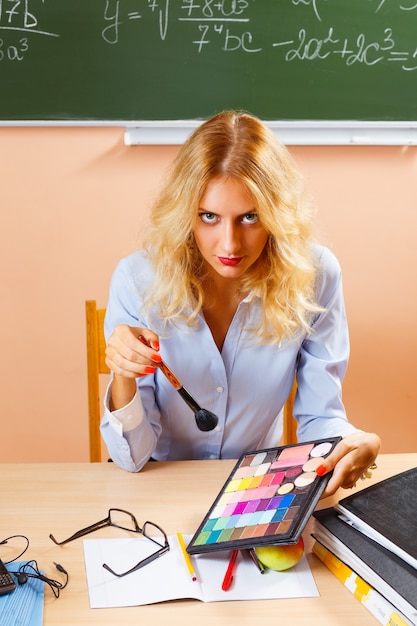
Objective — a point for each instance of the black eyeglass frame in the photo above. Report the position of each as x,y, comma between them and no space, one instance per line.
137,529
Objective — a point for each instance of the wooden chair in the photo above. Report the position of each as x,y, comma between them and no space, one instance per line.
96,365
289,431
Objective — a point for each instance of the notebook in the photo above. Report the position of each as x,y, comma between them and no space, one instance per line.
387,513
395,579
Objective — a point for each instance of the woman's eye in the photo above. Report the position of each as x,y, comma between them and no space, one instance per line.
208,218
250,218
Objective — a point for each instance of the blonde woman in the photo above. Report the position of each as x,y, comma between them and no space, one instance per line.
233,294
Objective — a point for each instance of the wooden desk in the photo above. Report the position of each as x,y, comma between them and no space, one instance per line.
37,499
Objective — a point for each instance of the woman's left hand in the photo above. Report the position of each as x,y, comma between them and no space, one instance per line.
350,460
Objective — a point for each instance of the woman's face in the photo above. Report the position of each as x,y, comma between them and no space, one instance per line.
228,232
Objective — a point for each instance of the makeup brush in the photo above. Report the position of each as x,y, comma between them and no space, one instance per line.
205,420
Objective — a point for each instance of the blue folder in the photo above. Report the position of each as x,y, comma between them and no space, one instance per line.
24,605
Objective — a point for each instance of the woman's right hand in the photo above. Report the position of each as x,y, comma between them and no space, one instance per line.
130,353
130,356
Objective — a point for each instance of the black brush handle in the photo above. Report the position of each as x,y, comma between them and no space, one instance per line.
189,399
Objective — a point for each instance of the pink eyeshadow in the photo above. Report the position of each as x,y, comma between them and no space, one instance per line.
229,509
277,478
281,463
296,451
270,491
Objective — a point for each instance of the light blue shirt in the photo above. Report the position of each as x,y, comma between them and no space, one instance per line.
245,385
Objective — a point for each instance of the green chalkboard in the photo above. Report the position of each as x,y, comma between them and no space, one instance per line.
126,60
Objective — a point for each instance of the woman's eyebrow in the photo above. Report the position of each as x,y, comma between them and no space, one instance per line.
249,212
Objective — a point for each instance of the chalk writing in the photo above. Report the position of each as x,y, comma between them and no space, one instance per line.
375,6
17,15
359,50
227,24
312,3
14,52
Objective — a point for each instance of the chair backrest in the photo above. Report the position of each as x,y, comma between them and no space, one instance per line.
289,431
96,365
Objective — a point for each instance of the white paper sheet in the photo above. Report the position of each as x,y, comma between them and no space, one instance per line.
167,578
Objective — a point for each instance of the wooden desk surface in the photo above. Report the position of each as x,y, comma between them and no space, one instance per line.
37,499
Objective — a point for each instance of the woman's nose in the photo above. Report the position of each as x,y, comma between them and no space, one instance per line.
230,238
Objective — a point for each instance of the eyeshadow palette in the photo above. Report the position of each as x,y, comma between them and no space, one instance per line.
267,499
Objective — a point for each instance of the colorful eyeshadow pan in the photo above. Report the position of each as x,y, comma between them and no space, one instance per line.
267,499
312,464
305,479
292,472
259,458
322,449
286,488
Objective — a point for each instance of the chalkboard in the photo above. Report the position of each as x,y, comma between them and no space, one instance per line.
100,61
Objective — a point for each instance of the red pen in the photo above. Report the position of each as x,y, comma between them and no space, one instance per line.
228,578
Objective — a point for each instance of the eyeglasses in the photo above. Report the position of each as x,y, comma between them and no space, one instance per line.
126,521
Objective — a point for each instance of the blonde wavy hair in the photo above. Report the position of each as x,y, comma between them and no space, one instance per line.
236,145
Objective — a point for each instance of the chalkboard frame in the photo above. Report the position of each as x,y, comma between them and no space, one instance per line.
295,132
291,132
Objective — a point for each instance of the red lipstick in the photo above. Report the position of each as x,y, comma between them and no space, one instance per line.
225,260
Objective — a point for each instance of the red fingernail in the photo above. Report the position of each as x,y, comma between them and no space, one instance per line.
155,345
150,370
157,358
321,470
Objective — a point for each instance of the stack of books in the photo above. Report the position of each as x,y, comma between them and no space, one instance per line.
369,541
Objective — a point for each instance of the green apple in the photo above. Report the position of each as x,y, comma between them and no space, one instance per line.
280,558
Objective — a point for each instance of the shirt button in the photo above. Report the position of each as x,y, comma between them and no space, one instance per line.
220,389
212,456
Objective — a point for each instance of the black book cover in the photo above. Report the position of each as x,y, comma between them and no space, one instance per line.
398,574
390,508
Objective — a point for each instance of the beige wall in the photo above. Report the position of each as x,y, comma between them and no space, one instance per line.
75,200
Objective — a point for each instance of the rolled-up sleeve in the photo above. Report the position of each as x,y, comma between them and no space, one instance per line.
129,436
